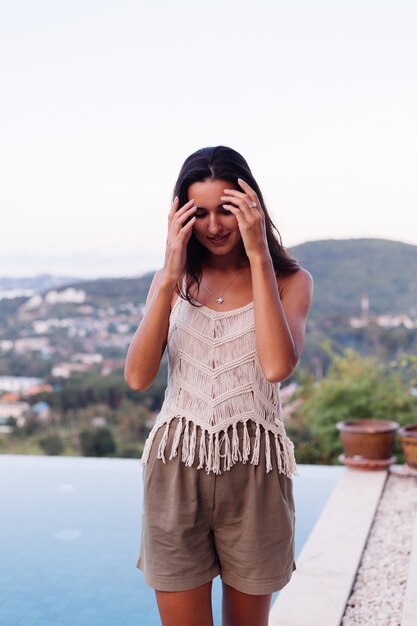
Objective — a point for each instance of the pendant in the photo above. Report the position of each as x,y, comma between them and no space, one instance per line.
219,300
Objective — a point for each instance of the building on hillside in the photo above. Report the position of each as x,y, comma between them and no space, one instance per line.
395,321
35,390
41,412
87,358
384,321
64,370
66,296
365,306
10,397
109,365
19,384
33,303
98,421
31,344
16,410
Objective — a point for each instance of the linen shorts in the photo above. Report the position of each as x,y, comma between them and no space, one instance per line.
195,526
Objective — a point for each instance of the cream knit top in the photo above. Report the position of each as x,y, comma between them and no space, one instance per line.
215,381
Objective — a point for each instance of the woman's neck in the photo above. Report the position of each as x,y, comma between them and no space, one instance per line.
225,263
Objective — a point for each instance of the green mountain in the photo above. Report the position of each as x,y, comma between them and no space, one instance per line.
344,270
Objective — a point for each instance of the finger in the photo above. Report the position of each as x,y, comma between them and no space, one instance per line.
187,230
250,196
251,193
180,219
174,208
234,192
237,212
248,189
243,203
179,212
183,215
186,206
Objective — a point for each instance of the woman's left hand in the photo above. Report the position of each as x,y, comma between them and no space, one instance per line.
248,211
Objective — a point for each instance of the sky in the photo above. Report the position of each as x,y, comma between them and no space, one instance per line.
102,101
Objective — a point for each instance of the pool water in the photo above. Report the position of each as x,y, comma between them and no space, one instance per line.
69,540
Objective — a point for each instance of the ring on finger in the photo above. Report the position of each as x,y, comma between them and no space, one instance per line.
253,205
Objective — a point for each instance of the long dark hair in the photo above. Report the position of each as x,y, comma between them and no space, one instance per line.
222,163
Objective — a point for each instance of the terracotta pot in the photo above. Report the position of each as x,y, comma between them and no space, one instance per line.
408,437
368,439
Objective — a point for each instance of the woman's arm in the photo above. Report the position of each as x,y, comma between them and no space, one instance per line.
148,344
149,341
280,320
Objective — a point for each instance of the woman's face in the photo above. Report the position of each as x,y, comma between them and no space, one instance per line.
214,227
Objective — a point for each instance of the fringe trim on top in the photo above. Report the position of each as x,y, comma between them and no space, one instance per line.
222,446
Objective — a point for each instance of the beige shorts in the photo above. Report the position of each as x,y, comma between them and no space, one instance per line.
195,525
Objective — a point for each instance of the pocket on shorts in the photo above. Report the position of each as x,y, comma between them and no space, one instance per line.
286,487
150,469
285,484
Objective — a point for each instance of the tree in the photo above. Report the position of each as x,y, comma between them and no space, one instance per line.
97,442
355,387
52,445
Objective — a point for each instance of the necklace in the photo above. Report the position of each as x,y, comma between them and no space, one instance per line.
220,298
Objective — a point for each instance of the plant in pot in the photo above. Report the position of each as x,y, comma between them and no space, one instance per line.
367,443
408,438
355,387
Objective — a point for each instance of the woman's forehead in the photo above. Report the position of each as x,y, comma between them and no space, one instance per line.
209,188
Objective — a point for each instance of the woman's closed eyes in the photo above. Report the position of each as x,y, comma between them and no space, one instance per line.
202,212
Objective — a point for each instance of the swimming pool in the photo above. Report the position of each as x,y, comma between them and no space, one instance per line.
69,539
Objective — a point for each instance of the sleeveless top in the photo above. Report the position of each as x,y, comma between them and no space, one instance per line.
215,381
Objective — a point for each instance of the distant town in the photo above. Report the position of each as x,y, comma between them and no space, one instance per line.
63,347
61,334
383,321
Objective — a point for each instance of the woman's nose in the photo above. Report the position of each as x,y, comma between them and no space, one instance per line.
214,225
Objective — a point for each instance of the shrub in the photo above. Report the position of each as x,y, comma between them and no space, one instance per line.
52,445
130,452
97,442
355,387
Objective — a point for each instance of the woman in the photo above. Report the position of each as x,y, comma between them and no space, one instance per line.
231,306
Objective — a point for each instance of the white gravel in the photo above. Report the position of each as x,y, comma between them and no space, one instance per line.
378,592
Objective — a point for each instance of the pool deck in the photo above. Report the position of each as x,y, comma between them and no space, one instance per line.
326,568
409,617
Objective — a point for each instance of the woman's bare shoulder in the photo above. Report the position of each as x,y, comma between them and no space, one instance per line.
300,279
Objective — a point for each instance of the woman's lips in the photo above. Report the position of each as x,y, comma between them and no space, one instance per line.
218,241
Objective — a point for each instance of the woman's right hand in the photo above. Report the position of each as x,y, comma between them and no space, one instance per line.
179,233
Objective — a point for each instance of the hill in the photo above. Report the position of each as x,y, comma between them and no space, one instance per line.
114,291
344,270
